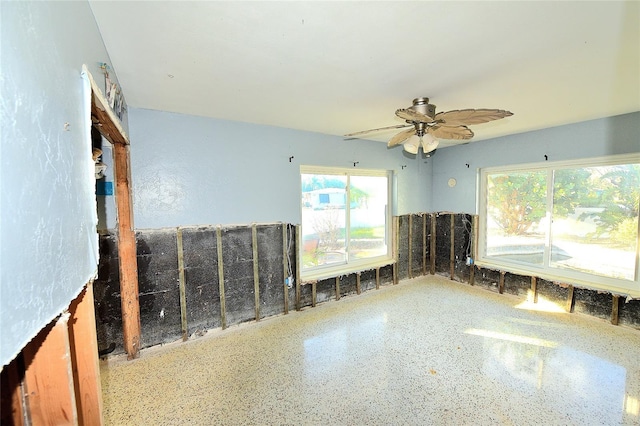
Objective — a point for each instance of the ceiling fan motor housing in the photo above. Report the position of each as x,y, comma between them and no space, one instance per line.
423,106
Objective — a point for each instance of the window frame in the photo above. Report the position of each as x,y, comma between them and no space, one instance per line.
349,266
544,271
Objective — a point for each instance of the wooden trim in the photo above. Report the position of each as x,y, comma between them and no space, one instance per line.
256,272
83,342
182,285
223,307
49,377
127,254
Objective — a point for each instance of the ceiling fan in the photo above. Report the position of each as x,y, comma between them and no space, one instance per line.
427,126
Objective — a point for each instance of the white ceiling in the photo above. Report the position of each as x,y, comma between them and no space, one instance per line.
341,67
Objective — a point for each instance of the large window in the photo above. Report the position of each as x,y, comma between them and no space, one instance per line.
572,221
345,220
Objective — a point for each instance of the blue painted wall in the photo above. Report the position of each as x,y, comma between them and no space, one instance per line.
595,138
189,170
48,208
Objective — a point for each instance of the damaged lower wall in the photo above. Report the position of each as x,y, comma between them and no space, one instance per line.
193,279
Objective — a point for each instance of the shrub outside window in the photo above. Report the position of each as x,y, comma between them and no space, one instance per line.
345,220
574,222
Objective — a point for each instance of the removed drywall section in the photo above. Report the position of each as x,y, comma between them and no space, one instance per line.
106,292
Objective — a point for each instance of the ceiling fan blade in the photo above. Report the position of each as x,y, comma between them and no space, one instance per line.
401,137
445,132
465,117
397,126
411,115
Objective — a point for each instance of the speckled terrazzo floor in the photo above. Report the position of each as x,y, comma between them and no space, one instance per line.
427,351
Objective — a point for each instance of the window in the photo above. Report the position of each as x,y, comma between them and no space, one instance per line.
345,220
575,222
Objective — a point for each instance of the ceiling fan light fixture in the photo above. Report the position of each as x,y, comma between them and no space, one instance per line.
429,143
412,145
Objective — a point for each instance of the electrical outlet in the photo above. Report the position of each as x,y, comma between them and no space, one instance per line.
469,261
289,281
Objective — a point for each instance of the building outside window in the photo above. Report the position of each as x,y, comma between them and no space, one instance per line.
574,222
346,220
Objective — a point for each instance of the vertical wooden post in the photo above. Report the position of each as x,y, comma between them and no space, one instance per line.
49,378
534,289
396,251
223,307
285,265
378,278
501,282
84,358
313,294
410,236
337,288
183,287
12,394
569,304
474,249
452,249
432,248
424,244
614,309
256,272
298,301
358,289
127,252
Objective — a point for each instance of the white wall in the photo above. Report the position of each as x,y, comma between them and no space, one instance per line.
595,138
47,202
189,170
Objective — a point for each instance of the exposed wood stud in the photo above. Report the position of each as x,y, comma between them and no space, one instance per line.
183,284
501,283
127,253
223,308
313,294
452,248
256,272
49,378
358,290
378,278
474,249
285,265
432,247
424,244
614,309
83,342
410,237
396,251
298,238
337,288
570,299
534,289
12,398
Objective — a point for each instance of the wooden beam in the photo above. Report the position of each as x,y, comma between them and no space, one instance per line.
183,287
432,248
534,289
127,253
223,307
84,358
12,394
424,244
570,300
285,266
614,309
358,290
256,272
474,249
411,246
396,251
48,377
298,244
314,295
452,248
501,282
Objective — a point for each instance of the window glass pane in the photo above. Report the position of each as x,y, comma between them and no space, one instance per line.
516,211
368,214
323,219
595,220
